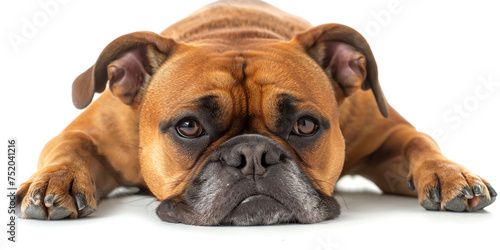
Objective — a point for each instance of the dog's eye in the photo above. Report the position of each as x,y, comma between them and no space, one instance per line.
305,127
190,129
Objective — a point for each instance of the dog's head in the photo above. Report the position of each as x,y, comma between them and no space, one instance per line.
239,134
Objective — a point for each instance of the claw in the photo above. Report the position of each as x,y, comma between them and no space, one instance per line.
80,201
467,193
84,209
434,195
36,199
492,191
49,200
411,184
477,190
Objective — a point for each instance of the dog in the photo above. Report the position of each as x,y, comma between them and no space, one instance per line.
240,114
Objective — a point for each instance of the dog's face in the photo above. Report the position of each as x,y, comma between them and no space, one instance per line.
242,134
241,137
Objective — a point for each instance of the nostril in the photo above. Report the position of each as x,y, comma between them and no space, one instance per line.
270,158
263,160
243,162
282,158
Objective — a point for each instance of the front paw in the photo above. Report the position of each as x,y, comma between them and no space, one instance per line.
444,185
57,192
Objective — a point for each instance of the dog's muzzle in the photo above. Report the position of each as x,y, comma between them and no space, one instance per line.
249,180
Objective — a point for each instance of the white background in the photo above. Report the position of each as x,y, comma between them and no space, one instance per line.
432,56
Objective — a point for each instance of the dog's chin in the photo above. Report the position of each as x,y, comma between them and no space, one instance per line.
254,210
258,210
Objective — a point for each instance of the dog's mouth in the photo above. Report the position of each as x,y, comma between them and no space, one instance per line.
259,210
257,198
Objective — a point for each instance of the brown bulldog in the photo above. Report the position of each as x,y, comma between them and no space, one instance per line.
240,114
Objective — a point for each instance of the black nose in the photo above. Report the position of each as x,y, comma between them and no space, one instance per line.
251,154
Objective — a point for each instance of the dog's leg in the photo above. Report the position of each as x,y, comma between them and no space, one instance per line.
99,150
409,161
70,180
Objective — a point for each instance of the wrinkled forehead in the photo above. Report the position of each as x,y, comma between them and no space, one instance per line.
235,77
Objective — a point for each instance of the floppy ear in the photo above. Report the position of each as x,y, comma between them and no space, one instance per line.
346,58
127,63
